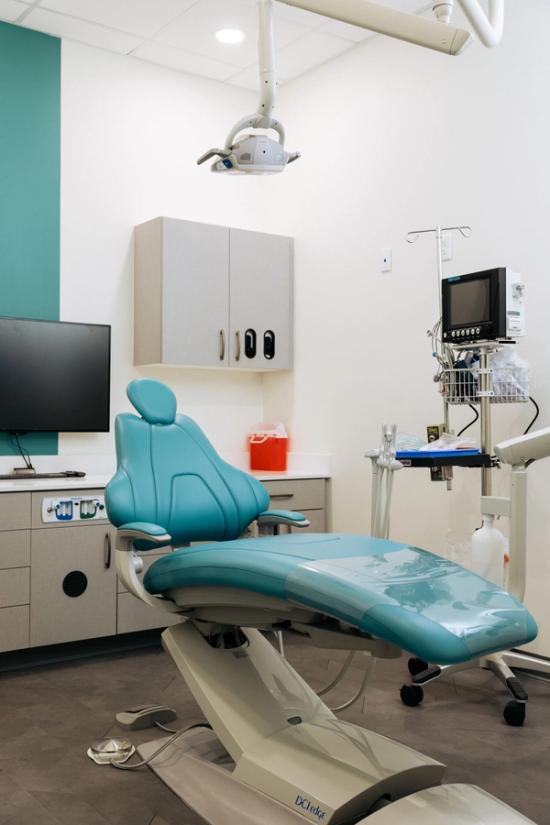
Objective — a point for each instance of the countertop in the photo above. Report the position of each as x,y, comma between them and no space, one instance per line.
94,482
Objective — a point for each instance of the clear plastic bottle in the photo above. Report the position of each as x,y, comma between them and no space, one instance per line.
489,549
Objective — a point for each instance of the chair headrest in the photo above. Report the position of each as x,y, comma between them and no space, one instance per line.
155,402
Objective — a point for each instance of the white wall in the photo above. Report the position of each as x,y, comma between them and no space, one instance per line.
131,132
396,138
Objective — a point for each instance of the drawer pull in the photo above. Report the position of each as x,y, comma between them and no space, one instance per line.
107,551
222,345
282,495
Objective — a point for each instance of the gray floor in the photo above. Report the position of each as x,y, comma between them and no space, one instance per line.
49,715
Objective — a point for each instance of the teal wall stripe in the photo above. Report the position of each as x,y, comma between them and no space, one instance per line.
30,140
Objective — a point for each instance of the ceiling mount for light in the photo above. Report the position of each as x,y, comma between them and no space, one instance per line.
230,37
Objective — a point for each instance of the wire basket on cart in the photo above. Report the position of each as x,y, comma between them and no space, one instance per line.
503,385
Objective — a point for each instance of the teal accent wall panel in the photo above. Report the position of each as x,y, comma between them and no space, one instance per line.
30,90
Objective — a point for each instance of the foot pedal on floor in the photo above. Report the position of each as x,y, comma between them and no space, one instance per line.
145,716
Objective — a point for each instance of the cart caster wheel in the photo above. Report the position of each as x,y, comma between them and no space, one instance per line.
514,714
411,695
417,666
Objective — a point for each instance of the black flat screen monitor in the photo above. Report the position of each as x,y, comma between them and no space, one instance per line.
54,376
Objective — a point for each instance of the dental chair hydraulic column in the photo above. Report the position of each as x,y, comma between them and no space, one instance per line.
275,754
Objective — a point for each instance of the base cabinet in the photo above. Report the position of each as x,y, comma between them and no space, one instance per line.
73,584
58,581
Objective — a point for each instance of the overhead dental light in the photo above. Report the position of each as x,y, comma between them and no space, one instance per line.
256,153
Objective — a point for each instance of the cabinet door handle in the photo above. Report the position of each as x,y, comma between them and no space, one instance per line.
282,495
222,345
107,551
238,343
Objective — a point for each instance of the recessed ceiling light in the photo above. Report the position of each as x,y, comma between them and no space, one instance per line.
230,36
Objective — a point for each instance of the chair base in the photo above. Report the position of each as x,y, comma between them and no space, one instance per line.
199,771
283,741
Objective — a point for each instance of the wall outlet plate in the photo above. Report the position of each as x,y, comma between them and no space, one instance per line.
386,259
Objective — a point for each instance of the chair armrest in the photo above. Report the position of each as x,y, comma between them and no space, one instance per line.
287,517
142,531
139,535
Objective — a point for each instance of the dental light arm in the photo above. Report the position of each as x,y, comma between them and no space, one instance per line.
384,20
253,153
489,30
411,27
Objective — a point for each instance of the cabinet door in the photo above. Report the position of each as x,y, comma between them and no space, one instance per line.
195,294
73,584
261,300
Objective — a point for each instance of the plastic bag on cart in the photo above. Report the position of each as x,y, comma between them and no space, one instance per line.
510,375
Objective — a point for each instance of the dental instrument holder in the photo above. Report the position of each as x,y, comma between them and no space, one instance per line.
383,463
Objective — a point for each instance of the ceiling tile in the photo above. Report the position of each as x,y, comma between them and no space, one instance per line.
140,17
195,31
73,29
246,79
308,52
185,62
345,30
295,15
10,10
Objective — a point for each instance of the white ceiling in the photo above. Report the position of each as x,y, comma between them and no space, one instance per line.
180,33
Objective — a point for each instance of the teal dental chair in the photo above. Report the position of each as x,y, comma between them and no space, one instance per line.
275,752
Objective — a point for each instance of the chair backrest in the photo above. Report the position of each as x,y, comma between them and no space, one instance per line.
171,475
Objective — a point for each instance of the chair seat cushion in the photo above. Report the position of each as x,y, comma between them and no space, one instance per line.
421,602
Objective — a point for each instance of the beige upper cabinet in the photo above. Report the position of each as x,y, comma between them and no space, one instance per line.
210,296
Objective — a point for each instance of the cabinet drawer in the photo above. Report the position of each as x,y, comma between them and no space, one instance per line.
302,494
318,519
134,615
14,628
14,586
37,499
15,549
15,511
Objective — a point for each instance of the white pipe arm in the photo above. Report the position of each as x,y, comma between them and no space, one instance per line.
263,119
384,20
268,71
488,29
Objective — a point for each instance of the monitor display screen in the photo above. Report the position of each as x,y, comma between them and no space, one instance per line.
54,376
470,302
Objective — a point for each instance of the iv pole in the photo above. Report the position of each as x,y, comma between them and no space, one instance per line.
466,232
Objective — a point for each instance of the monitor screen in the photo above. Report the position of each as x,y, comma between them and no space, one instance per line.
54,376
469,302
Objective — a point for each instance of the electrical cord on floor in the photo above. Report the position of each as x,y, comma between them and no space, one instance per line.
122,766
537,413
163,727
473,421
